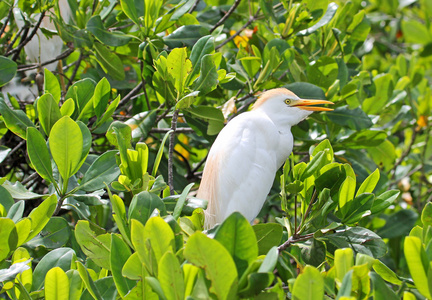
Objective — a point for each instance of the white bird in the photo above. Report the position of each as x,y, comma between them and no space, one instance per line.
247,153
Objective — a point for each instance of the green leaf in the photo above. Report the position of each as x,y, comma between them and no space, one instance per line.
55,234
61,257
355,119
41,215
257,282
346,195
384,200
103,170
316,163
398,224
384,90
56,285
179,66
110,110
5,198
324,72
66,144
48,112
15,120
359,208
219,267
159,154
381,289
305,90
143,205
7,233
185,36
120,252
343,261
81,92
383,155
88,281
208,79
75,284
132,268
369,184
237,236
415,32
170,276
365,138
386,273
270,261
101,97
328,16
96,247
268,235
133,9
309,285
8,69
110,38
359,239
110,62
426,216
181,201
18,191
39,155
51,85
202,47
68,107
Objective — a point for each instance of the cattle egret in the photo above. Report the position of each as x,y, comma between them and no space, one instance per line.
245,156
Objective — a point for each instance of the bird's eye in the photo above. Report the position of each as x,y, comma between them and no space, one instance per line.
287,101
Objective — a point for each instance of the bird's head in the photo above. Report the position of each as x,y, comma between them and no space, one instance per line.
285,107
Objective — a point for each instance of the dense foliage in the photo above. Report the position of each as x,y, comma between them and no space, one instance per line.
107,114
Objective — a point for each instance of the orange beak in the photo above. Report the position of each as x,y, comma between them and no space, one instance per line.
305,104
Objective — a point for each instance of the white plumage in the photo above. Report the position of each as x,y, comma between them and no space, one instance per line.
245,156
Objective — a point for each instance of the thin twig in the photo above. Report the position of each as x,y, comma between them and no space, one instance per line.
179,130
251,19
226,16
9,47
21,45
29,178
293,240
171,152
15,149
35,66
2,30
130,94
194,6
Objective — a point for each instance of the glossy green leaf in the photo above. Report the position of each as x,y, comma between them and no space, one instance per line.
398,224
324,72
101,96
48,111
5,198
269,262
369,184
8,69
181,201
120,252
308,285
39,155
256,283
88,281
113,38
68,107
51,85
355,119
328,16
237,236
202,47
66,143
55,234
16,120
81,92
208,79
170,276
143,205
384,200
359,208
386,273
96,247
346,195
384,88
343,261
383,155
132,268
7,233
381,289
365,139
75,284
56,285
219,267
41,215
267,235
109,62
103,171
133,9
61,257
179,66
185,35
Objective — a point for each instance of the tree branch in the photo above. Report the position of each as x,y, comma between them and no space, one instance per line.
226,16
2,30
35,66
130,94
75,70
171,151
194,6
21,45
292,240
